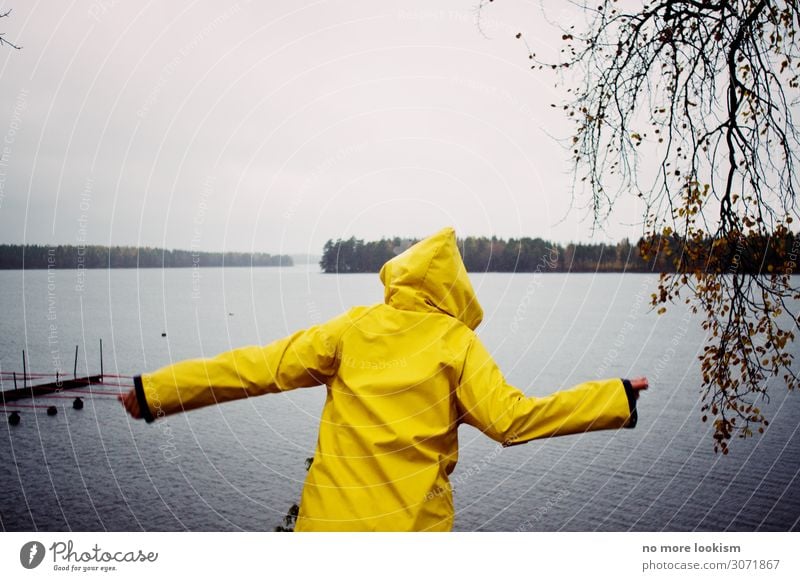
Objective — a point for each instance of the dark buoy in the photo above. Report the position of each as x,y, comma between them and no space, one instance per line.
52,410
77,404
163,334
13,419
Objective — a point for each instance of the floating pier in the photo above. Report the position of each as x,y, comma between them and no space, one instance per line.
55,386
49,388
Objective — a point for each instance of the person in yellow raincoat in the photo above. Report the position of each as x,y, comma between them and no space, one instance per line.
401,376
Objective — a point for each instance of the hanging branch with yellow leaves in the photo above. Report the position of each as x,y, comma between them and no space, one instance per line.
688,104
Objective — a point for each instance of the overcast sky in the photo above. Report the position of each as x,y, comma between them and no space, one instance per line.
274,126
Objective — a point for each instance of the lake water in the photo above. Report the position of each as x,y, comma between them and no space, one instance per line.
240,466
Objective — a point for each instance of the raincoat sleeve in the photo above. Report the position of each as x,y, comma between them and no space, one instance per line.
508,416
304,359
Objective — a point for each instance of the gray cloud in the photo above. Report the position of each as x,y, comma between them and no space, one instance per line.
310,120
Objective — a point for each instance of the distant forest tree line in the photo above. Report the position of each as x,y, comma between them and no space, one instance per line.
671,253
17,256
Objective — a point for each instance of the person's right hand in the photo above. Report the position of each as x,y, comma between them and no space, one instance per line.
639,384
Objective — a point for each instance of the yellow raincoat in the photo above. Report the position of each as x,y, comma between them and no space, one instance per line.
400,376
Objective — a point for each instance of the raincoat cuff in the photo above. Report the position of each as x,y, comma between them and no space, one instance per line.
143,407
631,423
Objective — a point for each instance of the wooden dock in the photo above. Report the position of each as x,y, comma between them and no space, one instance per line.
31,391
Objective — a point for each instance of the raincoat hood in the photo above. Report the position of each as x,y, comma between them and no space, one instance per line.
431,277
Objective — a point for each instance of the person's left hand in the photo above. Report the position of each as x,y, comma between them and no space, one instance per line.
131,404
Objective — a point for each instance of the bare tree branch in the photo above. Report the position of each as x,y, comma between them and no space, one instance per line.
3,41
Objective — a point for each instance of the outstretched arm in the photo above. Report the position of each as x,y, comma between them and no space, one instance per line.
507,415
304,359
